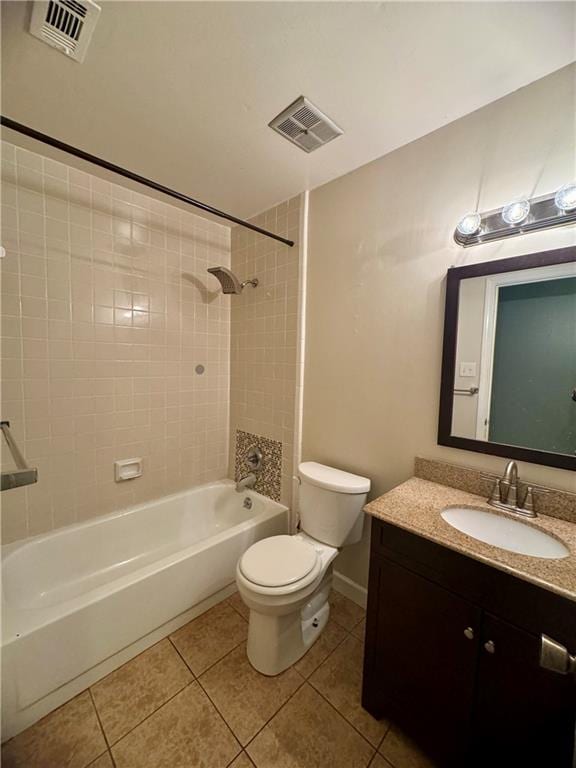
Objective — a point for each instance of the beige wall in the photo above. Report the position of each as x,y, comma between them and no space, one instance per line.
106,311
379,246
264,335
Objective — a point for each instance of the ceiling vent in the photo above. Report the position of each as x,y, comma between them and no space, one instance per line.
304,125
65,24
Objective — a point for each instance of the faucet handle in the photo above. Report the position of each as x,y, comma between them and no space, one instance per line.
253,458
495,494
528,503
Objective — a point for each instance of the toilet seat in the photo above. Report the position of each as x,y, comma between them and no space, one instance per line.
280,565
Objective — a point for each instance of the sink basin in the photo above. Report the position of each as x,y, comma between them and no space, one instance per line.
505,533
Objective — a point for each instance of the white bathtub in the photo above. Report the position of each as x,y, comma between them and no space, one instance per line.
79,602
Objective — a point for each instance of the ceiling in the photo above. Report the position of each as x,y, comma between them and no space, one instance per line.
182,92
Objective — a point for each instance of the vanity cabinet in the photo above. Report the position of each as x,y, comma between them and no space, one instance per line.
453,656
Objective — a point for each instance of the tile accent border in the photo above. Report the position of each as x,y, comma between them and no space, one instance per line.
269,478
555,503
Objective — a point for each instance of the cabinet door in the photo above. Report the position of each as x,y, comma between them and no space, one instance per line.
525,715
425,651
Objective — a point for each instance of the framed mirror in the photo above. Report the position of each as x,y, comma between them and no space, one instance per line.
509,358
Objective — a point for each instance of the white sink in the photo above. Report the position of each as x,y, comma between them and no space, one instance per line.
505,533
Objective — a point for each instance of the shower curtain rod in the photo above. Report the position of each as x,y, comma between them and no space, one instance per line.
57,144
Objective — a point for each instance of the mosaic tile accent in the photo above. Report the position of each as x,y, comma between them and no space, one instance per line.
555,503
269,477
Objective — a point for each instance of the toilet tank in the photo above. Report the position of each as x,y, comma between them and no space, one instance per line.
331,502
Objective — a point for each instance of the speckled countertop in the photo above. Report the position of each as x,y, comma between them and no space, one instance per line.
416,506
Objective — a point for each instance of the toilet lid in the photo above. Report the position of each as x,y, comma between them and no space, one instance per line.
277,561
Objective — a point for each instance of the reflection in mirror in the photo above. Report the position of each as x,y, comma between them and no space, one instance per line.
515,366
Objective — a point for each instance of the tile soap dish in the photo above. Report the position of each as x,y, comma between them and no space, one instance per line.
127,469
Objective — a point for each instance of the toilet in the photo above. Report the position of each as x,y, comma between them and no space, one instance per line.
285,580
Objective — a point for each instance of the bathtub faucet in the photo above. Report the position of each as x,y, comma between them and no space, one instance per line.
246,482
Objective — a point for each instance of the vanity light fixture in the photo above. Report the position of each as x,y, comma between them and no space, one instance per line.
565,198
516,212
470,224
519,217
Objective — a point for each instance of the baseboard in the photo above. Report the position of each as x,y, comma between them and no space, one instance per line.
350,589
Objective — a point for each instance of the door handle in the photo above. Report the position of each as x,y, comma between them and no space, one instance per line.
555,657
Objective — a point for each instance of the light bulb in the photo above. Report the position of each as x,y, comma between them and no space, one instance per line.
565,198
470,224
516,212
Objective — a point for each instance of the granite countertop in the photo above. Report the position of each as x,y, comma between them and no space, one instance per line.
416,506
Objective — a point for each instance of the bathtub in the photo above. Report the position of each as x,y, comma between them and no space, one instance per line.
79,602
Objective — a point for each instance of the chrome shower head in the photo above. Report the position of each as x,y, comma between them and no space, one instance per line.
229,281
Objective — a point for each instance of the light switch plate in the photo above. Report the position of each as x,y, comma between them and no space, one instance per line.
467,370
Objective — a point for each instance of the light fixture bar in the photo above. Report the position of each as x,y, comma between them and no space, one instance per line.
544,213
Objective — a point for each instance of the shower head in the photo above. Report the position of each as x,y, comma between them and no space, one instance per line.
229,281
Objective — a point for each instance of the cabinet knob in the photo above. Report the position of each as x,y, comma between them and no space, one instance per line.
489,646
469,633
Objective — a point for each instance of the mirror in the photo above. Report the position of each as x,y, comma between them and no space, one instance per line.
509,359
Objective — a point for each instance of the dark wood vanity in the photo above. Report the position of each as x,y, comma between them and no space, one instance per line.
453,656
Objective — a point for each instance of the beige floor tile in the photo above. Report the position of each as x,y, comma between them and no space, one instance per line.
379,762
399,750
245,698
331,636
242,761
185,732
309,733
344,611
239,605
339,679
205,640
103,762
129,694
359,630
69,737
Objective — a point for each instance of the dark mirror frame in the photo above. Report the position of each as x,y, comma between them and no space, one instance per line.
454,276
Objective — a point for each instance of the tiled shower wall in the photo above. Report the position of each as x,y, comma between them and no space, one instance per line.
106,312
264,337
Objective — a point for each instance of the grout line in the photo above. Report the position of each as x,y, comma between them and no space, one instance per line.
322,696
107,752
98,718
188,684
227,600
172,643
197,677
386,732
246,755
280,708
222,718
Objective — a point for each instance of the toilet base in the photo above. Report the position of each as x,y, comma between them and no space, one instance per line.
276,642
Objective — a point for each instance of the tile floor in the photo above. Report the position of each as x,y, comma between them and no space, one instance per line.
193,701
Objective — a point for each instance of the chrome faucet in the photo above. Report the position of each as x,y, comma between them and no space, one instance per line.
248,481
505,495
253,459
509,484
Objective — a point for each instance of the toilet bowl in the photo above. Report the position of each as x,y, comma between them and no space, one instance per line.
285,580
